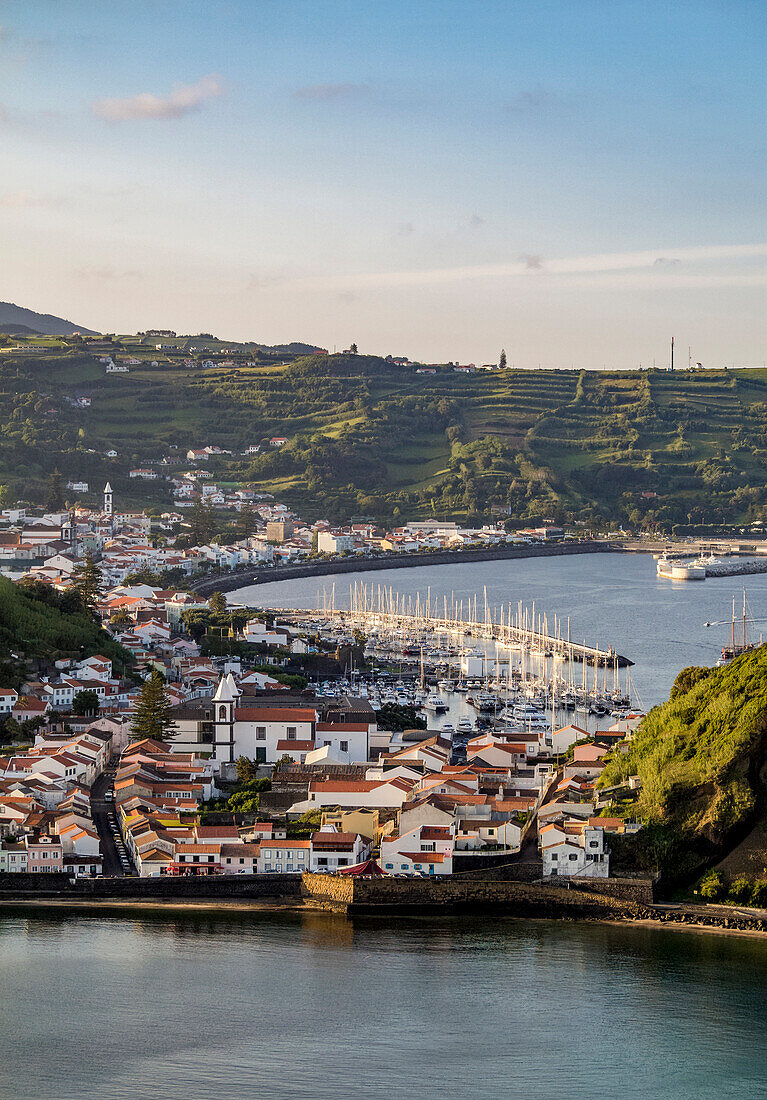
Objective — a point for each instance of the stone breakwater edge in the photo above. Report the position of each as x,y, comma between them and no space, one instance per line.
243,578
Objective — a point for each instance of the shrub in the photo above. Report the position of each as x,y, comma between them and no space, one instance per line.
740,891
759,893
711,886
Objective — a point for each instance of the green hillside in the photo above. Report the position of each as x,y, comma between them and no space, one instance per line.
38,626
366,436
700,759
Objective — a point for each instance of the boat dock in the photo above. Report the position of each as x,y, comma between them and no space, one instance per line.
379,610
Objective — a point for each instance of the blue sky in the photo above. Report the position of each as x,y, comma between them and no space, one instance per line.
575,182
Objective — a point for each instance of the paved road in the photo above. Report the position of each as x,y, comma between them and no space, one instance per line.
103,814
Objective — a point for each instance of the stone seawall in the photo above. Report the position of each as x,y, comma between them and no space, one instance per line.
243,578
245,887
637,891
368,896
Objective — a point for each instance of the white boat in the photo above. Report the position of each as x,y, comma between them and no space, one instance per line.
465,725
677,570
448,729
435,704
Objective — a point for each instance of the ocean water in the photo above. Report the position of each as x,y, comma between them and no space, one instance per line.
611,599
188,1005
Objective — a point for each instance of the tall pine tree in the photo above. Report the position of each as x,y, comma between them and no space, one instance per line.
153,715
87,582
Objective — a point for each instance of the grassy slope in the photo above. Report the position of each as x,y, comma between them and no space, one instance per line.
700,758
31,629
588,443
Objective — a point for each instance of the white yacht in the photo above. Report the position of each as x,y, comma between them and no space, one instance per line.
435,704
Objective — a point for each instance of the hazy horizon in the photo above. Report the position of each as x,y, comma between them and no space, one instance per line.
574,183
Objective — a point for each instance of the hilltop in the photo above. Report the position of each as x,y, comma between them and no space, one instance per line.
16,319
372,436
700,758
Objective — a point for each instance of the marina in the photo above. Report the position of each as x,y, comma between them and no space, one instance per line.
466,665
661,626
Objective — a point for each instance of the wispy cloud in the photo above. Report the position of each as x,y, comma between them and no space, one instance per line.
616,265
667,261
107,272
532,262
329,92
17,200
183,100
532,100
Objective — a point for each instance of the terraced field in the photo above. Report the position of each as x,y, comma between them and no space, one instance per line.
366,436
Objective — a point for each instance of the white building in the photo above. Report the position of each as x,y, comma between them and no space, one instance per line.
567,852
425,850
331,849
256,732
334,542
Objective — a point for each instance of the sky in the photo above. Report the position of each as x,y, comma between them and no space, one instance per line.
573,182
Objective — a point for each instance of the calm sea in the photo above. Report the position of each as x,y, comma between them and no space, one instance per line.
246,1005
611,599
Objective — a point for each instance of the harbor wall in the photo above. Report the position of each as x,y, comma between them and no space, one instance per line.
243,578
358,896
161,888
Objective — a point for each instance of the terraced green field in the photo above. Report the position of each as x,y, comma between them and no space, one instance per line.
367,437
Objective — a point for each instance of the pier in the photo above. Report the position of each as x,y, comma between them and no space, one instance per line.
377,609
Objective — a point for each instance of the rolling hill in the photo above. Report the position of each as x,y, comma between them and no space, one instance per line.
366,436
16,319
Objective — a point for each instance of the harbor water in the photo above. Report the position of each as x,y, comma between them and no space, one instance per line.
191,1006
610,599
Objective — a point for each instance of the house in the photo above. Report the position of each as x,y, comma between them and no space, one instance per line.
574,851
331,849
425,850
197,455
284,856
144,473
277,441
334,542
116,368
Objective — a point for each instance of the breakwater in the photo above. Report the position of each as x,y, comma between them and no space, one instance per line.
244,577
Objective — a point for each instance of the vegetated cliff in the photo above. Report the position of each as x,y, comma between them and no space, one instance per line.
40,625
701,760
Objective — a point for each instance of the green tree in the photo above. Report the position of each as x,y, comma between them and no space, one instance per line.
12,729
87,582
153,716
502,360
353,349
711,886
85,703
247,769
246,521
202,523
217,603
55,498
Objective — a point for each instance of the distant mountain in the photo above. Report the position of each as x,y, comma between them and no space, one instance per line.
18,330
44,323
291,349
